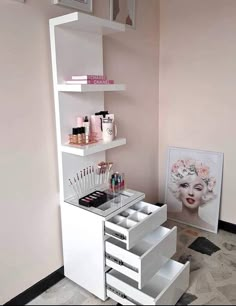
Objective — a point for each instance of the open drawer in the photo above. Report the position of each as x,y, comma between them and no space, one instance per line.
135,223
165,288
143,260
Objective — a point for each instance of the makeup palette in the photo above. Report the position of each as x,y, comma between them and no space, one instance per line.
95,199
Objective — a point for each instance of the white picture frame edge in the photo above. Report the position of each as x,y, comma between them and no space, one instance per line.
221,159
76,5
134,14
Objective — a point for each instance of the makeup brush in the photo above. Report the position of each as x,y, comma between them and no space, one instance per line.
79,183
90,177
102,166
76,186
109,170
82,181
97,176
93,176
76,193
99,167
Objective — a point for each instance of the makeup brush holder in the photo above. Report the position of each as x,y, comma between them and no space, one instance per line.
91,185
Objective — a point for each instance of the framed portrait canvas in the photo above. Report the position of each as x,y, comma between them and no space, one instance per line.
81,5
193,187
123,11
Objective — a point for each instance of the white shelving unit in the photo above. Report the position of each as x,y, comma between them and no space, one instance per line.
93,148
119,249
90,88
77,48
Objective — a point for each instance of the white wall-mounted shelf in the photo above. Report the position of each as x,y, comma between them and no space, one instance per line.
90,88
87,23
92,148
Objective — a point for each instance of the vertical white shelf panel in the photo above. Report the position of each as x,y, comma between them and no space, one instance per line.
77,48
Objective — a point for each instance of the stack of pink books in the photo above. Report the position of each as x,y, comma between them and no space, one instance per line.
89,79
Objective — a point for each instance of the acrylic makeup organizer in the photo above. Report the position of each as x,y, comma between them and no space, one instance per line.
90,179
119,250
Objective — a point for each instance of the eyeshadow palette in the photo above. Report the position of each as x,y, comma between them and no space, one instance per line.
95,199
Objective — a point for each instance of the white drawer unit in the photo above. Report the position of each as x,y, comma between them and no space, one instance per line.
165,287
133,224
142,261
133,269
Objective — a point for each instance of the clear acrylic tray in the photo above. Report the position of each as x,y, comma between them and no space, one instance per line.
118,201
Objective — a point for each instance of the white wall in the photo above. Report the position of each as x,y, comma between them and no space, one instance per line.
197,85
29,219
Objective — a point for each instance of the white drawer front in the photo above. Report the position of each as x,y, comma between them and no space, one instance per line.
165,288
142,261
135,223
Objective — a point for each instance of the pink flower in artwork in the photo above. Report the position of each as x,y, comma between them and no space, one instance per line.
211,183
203,172
189,163
198,164
180,162
174,168
182,168
177,165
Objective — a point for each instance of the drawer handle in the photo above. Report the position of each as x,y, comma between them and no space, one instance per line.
115,260
120,236
116,292
121,295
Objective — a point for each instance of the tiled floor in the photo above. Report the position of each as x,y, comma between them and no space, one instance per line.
212,278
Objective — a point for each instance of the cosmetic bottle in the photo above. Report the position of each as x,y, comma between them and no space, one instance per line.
82,130
70,137
96,127
86,125
123,187
102,113
79,121
80,136
75,135
110,116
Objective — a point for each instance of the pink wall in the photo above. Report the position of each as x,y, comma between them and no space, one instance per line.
29,220
132,58
197,85
30,234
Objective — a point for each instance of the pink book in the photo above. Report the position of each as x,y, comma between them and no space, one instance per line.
95,81
89,77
